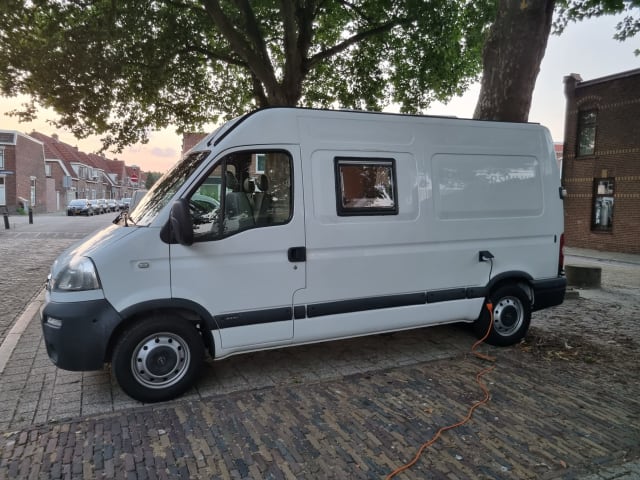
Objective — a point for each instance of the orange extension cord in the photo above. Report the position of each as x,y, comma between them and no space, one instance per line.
482,356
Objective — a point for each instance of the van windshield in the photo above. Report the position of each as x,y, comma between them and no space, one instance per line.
164,189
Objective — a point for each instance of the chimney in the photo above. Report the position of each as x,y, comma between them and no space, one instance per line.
54,136
570,82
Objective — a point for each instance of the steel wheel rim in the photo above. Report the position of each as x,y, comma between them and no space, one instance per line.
508,316
160,360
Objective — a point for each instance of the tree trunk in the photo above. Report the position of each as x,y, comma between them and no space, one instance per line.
511,59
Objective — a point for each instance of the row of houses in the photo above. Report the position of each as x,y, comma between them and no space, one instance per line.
41,173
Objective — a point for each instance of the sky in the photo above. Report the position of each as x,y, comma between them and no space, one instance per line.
586,48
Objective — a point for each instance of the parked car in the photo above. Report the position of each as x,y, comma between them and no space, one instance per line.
203,208
112,205
103,203
97,207
126,202
79,206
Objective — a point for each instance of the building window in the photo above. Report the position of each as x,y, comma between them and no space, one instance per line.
1,158
602,217
587,132
261,160
365,186
47,169
33,191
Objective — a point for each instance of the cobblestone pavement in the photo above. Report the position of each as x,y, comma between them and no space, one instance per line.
564,404
27,252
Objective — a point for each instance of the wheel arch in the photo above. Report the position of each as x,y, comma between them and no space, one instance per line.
186,310
513,277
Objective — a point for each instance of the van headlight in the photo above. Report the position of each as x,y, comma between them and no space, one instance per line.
79,274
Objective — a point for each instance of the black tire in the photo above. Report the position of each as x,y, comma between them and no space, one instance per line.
511,317
170,352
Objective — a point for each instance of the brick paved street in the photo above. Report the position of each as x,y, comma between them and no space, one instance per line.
564,404
27,252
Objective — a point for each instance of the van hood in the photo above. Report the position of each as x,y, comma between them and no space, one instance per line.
87,246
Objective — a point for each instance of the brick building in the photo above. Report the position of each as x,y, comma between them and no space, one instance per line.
40,171
601,162
22,173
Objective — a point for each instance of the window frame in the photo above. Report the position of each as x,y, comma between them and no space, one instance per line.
597,227
33,190
343,211
260,156
223,164
1,158
582,127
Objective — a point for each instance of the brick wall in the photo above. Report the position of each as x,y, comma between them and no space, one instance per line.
617,155
29,162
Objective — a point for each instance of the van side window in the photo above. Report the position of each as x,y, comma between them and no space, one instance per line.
245,190
366,186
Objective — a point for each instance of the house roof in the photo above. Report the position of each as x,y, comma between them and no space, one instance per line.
53,150
608,78
56,150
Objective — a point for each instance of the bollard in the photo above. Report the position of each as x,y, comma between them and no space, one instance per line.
6,221
30,216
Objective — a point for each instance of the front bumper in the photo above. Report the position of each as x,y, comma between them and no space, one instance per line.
76,334
548,293
77,211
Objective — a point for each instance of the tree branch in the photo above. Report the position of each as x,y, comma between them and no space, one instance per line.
258,92
330,52
259,65
290,31
354,8
213,55
177,4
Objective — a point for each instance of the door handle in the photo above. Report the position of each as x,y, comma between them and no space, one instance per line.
297,254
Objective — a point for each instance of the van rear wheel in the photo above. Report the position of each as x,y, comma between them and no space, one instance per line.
511,317
158,358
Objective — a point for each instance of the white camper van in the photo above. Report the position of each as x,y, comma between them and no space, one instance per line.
290,226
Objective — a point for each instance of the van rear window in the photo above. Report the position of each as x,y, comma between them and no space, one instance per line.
366,186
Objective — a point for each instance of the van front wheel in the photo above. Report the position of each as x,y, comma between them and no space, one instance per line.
158,359
511,317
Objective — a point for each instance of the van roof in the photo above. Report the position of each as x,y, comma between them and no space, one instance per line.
222,132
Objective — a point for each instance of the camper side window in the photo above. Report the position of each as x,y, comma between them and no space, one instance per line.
245,190
365,186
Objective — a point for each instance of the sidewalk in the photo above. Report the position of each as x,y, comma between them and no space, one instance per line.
600,256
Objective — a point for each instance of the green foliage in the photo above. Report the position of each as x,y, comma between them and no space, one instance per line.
577,10
152,177
119,69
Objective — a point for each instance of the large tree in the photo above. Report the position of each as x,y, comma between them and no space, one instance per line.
119,68
517,42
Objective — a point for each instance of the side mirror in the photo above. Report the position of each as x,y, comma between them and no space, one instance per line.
179,228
